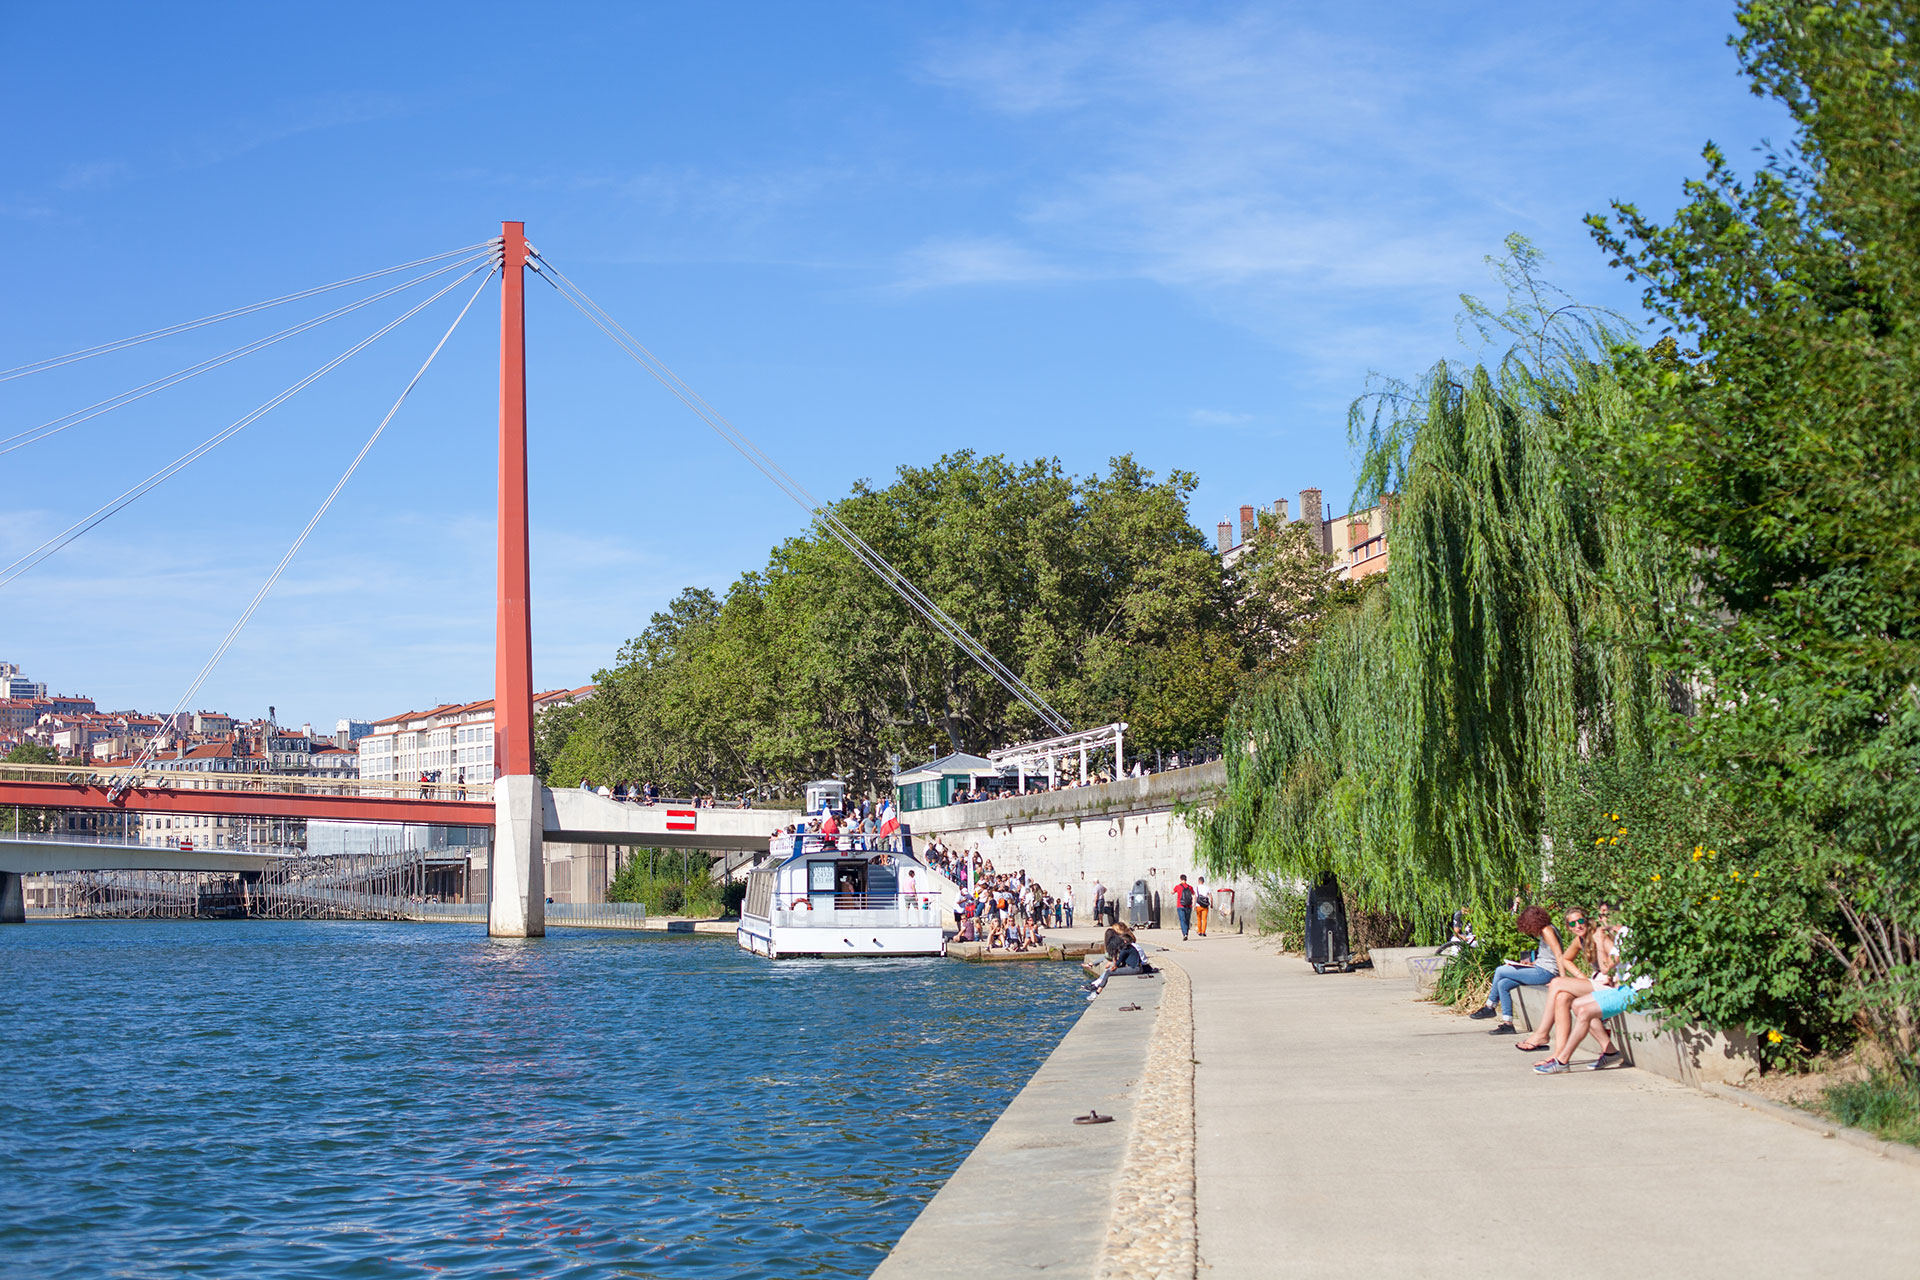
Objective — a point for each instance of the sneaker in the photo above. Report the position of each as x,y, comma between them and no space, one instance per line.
1092,996
1551,1067
1611,1058
1484,1011
1504,1029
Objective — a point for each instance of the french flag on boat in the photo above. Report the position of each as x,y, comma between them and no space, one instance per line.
889,819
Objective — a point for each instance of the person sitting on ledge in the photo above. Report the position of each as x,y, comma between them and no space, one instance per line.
1537,970
1123,957
1590,953
1590,1014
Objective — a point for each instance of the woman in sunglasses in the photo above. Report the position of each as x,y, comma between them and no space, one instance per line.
1590,954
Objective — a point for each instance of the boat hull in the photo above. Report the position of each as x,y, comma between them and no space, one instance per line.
841,938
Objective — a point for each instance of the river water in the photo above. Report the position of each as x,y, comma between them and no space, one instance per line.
372,1100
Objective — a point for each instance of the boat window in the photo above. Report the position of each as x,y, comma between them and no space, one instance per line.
820,877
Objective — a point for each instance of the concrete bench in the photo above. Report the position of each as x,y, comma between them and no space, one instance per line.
1692,1055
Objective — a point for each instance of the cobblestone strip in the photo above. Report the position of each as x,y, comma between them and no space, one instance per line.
1153,1234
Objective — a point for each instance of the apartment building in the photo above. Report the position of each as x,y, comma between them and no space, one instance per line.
452,739
1358,542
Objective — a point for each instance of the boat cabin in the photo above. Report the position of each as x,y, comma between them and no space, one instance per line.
851,894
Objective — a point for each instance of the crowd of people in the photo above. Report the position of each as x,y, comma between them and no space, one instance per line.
1002,909
649,793
1036,786
1586,980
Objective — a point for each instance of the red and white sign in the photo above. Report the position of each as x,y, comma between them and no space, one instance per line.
681,819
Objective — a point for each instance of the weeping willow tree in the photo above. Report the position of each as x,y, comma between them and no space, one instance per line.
1412,747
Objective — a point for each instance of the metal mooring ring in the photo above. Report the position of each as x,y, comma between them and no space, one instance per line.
1093,1117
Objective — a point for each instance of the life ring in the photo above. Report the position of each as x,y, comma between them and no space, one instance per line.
802,902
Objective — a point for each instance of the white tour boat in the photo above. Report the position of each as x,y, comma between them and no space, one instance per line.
845,895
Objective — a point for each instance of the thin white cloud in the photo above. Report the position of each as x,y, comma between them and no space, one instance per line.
1277,167
94,175
305,115
975,261
1218,418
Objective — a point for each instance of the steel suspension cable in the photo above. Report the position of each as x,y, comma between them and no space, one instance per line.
838,529
54,362
53,427
110,508
901,585
233,632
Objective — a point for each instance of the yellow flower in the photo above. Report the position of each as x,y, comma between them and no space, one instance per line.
1774,1037
1622,831
1656,877
1716,897
1613,817
1735,874
1615,840
1696,853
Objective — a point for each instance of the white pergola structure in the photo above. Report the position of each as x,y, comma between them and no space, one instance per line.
1045,755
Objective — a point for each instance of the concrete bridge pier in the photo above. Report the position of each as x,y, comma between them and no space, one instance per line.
516,869
13,898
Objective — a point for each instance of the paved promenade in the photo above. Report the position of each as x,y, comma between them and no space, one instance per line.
1343,1128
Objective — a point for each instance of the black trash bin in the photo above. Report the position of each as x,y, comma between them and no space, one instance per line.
1140,905
1327,927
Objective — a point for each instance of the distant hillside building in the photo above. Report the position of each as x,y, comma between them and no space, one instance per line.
14,684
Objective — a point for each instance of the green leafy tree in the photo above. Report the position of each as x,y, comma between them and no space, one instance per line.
1281,583
1411,746
1777,450
1097,591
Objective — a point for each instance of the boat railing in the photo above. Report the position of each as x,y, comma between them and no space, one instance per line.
847,844
860,908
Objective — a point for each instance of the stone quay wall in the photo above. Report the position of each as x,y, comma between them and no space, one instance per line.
1114,833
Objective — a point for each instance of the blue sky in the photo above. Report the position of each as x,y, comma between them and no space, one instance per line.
868,233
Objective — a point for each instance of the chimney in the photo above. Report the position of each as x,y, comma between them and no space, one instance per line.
1225,530
1246,524
1311,515
1280,510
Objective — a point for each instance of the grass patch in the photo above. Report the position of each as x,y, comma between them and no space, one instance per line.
1884,1104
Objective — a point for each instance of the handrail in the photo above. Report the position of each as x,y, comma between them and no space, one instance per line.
151,778
824,901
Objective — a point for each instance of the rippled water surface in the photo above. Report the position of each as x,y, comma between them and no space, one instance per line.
278,1099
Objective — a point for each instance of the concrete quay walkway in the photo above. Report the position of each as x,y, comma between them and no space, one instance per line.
1344,1128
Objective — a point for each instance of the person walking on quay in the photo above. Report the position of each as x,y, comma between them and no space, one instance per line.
1183,906
1066,905
1201,902
1099,901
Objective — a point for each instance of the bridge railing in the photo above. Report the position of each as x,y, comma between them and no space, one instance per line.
162,778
